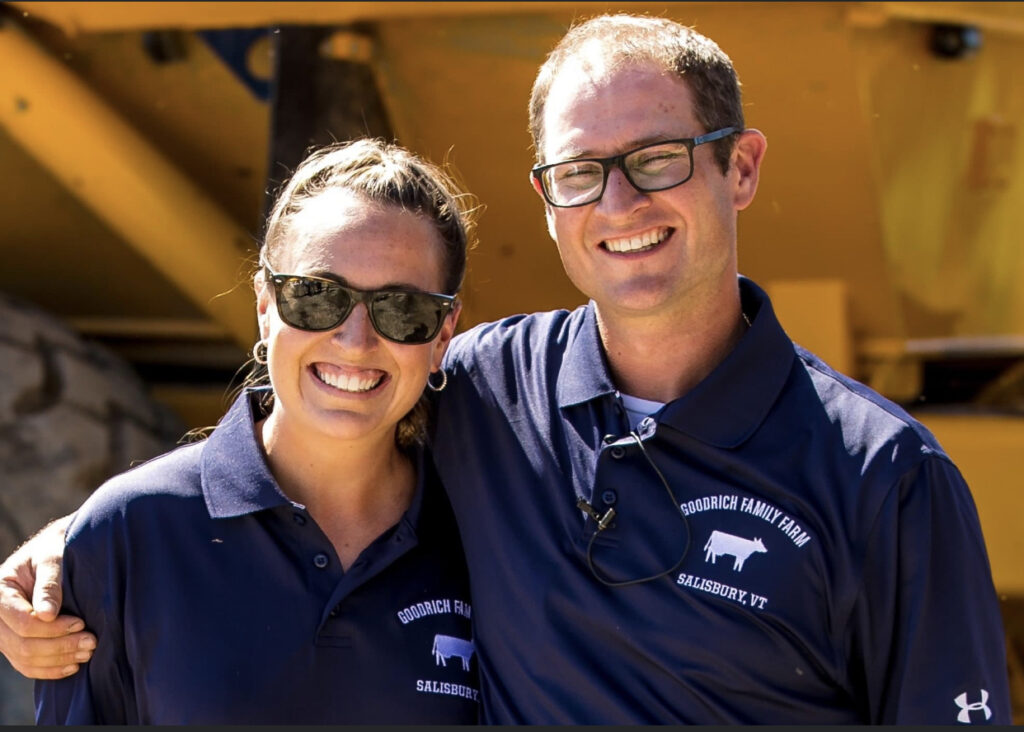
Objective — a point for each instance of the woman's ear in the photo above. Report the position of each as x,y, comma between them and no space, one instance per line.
444,338
264,300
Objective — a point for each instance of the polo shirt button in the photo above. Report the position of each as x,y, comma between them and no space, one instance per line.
608,439
609,497
618,452
320,561
335,611
299,519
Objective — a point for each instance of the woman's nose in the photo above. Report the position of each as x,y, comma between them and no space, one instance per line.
357,331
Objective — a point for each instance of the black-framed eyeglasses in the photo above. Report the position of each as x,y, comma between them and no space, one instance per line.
650,168
315,304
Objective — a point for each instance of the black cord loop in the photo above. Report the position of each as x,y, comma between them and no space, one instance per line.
603,522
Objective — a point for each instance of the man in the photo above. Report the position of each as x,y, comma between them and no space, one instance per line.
671,513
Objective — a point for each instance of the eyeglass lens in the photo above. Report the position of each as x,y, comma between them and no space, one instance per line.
650,168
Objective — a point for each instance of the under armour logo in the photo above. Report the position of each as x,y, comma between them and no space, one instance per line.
964,717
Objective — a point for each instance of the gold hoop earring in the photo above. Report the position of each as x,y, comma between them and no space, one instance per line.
444,381
259,352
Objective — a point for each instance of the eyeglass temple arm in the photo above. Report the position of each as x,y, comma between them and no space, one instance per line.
716,135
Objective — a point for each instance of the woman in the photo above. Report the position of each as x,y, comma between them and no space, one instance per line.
301,565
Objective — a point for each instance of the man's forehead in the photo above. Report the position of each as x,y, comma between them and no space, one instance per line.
599,107
590,59
593,66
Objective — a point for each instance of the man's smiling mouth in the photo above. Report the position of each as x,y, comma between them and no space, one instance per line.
638,243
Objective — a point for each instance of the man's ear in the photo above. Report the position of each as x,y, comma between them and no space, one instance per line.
746,164
548,209
536,185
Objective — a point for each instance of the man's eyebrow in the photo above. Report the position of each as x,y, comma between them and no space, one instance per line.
571,154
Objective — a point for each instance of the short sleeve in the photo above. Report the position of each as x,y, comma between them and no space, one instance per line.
926,639
66,701
97,694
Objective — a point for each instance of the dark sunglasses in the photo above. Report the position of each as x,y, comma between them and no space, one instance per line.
314,303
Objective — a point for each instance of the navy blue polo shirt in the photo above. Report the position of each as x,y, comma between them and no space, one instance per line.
832,564
216,599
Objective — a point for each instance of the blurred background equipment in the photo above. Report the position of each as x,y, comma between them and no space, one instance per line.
140,142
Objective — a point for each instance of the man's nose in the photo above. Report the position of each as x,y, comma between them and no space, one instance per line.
620,195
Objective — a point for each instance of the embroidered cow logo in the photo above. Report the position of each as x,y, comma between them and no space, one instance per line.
739,548
446,646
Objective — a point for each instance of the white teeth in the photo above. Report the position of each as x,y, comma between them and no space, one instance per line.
350,383
637,243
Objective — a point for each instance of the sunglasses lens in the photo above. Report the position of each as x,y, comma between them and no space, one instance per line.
312,304
407,317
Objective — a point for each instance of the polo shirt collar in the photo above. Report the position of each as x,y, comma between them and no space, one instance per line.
235,477
727,406
584,373
237,481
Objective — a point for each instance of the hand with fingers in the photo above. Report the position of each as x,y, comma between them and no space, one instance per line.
38,641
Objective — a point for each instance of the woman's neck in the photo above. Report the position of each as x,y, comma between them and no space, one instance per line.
354,489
